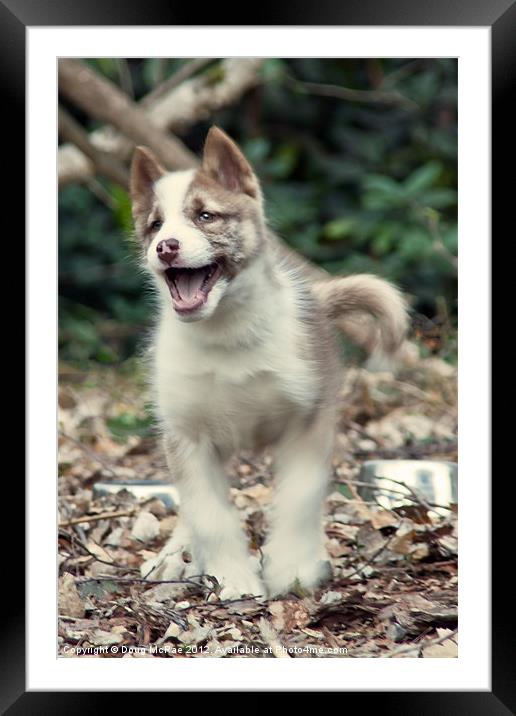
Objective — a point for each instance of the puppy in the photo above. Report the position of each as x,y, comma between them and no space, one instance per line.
244,357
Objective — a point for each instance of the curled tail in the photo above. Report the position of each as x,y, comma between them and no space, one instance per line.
346,300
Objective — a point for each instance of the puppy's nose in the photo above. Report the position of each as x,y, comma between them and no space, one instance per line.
167,250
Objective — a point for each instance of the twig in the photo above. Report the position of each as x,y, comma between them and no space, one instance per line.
351,484
89,452
140,580
372,558
432,221
419,566
354,95
184,72
96,518
415,391
377,488
393,78
417,497
80,542
140,609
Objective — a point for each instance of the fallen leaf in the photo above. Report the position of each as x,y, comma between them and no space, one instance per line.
105,638
419,551
173,631
335,549
330,597
447,649
70,602
288,614
98,551
401,543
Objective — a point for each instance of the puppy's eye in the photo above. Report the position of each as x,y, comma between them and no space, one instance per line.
157,224
205,216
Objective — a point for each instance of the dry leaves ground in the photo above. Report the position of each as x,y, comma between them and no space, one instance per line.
394,586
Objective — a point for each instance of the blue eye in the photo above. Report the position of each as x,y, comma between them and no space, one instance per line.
156,225
206,216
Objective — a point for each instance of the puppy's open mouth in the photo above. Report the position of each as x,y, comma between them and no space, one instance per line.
190,287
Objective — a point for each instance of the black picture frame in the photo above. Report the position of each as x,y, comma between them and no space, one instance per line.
500,16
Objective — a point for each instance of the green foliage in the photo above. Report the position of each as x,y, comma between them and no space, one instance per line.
353,185
125,425
102,311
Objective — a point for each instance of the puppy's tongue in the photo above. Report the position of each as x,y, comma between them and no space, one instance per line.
189,287
189,282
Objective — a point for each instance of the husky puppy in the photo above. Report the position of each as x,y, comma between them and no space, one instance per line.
244,357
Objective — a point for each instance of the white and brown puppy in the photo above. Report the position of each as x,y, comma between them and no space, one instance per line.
245,357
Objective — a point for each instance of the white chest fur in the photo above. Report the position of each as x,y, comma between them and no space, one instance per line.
240,394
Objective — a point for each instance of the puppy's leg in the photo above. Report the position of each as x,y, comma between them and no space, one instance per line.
208,522
177,559
294,554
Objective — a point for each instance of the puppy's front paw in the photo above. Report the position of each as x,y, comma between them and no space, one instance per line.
285,572
170,563
236,580
165,566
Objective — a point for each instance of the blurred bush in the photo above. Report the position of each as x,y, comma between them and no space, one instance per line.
358,160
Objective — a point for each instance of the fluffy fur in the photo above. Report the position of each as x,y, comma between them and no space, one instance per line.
245,357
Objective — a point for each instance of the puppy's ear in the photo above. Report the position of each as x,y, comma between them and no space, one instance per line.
223,161
145,171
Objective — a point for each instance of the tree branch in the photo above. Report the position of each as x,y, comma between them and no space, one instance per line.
379,96
199,97
104,101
